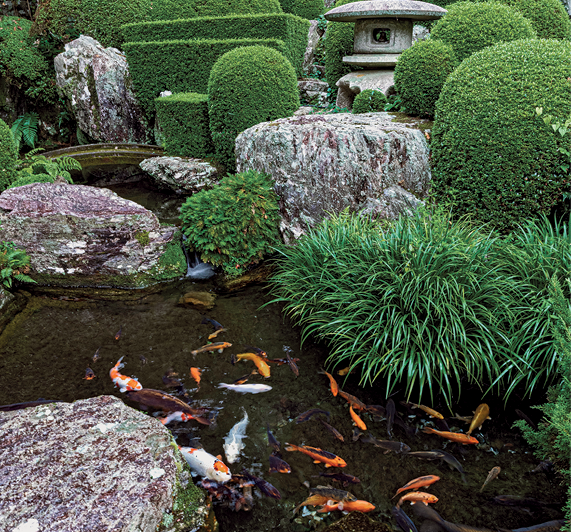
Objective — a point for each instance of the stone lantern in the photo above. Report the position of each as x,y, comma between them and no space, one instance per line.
383,30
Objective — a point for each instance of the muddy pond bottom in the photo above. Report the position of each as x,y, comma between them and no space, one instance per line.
45,351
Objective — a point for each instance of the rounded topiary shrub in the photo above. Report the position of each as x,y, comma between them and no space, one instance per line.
309,9
420,74
469,27
8,156
175,9
492,157
247,86
369,101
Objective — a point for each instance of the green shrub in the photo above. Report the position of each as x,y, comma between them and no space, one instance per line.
183,118
307,9
14,264
369,101
285,27
21,64
8,156
247,86
100,19
420,74
235,223
182,9
36,168
468,27
491,157
179,66
28,179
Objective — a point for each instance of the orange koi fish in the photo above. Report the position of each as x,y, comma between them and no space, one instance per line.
261,364
314,500
195,374
216,333
345,371
480,415
353,401
429,411
348,506
419,482
332,381
358,421
418,496
453,436
318,455
89,375
216,346
123,382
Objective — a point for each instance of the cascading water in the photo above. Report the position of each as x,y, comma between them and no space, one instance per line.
196,269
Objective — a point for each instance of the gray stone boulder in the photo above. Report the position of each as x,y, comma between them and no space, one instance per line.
313,92
85,236
325,163
313,36
95,464
181,174
97,82
355,82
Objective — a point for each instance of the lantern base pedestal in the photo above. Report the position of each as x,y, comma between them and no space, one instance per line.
353,83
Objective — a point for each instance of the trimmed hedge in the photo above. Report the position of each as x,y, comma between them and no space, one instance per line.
179,66
492,158
369,101
100,19
420,74
248,86
468,27
288,28
184,121
308,9
175,9
8,156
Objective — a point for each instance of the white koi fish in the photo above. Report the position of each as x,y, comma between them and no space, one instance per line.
233,443
176,416
246,388
205,464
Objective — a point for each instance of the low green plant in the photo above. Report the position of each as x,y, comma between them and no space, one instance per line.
369,101
25,127
37,168
8,156
394,103
14,265
235,223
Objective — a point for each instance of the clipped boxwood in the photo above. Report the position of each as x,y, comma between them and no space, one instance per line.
247,86
469,27
308,9
183,119
233,224
420,74
8,156
288,28
492,157
179,66
174,9
369,101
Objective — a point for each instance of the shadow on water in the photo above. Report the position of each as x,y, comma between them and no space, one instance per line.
47,348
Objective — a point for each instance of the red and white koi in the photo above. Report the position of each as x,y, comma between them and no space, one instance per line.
205,464
123,382
176,416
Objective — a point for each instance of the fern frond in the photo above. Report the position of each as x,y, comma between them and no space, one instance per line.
26,127
23,278
65,162
34,153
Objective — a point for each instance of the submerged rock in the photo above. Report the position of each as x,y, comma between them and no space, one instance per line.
98,84
86,236
95,463
325,163
183,175
200,300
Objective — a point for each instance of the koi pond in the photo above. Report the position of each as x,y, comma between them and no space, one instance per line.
46,349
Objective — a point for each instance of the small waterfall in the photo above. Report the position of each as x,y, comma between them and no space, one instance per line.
195,268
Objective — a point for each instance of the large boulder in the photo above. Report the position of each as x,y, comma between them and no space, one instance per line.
87,236
97,82
95,464
181,174
325,163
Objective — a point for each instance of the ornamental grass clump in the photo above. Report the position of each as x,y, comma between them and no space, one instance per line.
235,223
423,302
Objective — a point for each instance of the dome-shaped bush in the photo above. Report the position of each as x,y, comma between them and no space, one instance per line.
420,74
492,157
369,101
247,86
8,156
309,9
175,9
469,27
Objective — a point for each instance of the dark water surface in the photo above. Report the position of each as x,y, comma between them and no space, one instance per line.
46,349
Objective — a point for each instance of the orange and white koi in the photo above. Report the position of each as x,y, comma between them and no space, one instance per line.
348,506
318,455
418,496
205,464
333,383
123,382
176,416
261,364
355,417
458,437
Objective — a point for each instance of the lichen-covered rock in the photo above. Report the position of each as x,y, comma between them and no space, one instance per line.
183,175
326,163
87,236
313,92
355,82
313,36
97,82
95,465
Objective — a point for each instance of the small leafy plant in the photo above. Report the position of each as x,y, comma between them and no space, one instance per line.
234,224
34,168
25,128
14,264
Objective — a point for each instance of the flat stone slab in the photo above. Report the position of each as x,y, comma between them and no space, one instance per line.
325,163
94,465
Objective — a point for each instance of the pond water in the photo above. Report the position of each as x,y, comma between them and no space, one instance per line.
45,351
